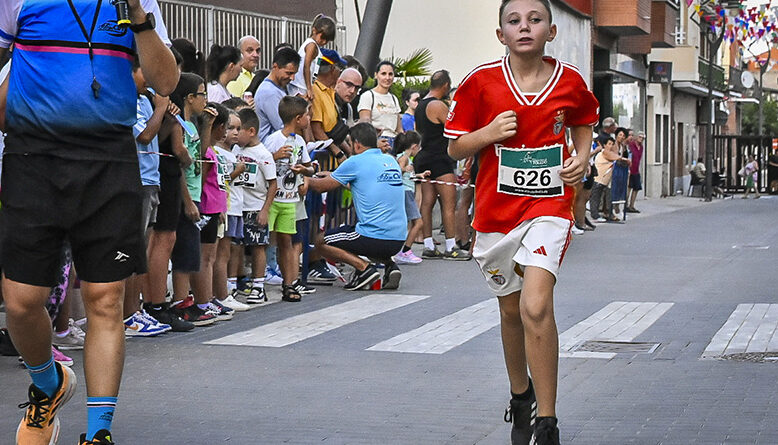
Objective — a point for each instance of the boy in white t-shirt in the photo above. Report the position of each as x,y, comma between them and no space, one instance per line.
292,162
259,188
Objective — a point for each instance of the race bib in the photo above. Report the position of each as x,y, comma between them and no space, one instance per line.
222,176
249,176
532,172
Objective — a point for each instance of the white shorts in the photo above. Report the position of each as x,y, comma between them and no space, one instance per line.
539,242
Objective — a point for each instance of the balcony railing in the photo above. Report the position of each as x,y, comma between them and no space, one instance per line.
718,76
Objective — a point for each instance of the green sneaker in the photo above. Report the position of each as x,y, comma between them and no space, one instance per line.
457,255
432,254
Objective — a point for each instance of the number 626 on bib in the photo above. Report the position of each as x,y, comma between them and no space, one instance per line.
532,172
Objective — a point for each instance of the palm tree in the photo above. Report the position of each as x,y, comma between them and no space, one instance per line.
417,64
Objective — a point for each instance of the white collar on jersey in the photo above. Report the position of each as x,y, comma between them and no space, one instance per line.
540,96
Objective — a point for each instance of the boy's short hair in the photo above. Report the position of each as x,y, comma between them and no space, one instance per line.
364,133
290,107
248,119
234,103
546,4
284,56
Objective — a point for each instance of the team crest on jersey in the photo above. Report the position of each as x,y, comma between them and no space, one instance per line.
497,277
559,122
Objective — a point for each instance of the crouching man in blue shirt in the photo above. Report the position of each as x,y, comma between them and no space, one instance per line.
375,180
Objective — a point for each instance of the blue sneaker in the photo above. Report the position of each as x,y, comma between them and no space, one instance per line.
136,325
320,272
273,277
165,327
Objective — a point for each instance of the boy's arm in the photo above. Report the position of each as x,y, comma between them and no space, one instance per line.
262,216
190,209
178,147
240,167
154,123
208,116
575,167
501,128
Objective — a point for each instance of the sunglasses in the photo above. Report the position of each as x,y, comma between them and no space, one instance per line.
351,84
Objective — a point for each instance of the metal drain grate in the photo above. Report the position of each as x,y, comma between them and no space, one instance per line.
753,357
617,347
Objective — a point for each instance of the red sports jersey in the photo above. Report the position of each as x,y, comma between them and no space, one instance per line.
518,179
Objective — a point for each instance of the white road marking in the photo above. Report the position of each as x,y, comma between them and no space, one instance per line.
618,321
444,334
301,327
751,328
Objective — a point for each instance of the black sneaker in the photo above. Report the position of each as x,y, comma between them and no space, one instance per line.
363,280
546,431
189,311
163,314
392,278
7,347
522,414
102,437
302,288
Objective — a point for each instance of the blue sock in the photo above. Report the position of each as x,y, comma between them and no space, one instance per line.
99,414
45,376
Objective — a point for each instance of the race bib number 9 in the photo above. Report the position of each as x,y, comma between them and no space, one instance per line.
249,176
532,172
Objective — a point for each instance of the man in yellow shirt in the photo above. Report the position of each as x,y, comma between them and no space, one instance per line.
325,110
249,47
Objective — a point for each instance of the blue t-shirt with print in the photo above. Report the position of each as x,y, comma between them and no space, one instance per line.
149,163
376,184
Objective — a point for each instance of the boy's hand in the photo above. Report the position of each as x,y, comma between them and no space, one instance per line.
503,126
173,109
262,218
425,174
240,167
191,211
573,171
161,102
209,115
284,152
298,168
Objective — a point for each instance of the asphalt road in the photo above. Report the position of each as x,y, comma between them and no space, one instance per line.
423,365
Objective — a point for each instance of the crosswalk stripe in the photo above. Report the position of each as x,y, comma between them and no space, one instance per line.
618,321
301,327
444,334
750,328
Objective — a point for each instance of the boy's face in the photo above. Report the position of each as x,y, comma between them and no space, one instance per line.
304,120
246,135
233,128
197,101
526,27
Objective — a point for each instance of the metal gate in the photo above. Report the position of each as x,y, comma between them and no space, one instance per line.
206,25
730,154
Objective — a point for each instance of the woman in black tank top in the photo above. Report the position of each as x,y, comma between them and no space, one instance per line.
430,122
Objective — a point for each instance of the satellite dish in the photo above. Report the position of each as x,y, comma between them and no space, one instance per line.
747,79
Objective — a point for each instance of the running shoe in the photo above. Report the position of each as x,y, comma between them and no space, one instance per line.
40,425
575,230
546,431
223,313
73,340
303,288
601,219
363,280
407,258
165,315
392,277
320,272
189,311
256,296
457,255
136,325
102,437
61,358
164,326
522,414
231,302
432,254
273,277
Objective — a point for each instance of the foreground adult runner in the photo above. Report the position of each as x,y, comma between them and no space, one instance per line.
514,113
70,172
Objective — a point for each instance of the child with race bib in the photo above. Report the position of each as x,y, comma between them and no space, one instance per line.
515,113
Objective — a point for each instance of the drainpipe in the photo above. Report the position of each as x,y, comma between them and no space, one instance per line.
371,34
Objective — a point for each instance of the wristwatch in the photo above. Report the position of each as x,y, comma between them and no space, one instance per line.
148,25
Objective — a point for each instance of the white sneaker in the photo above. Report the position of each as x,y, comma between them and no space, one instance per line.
69,342
231,302
576,231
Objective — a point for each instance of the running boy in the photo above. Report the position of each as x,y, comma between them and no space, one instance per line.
293,161
513,113
259,188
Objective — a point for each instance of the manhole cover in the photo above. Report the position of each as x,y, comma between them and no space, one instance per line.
754,357
617,347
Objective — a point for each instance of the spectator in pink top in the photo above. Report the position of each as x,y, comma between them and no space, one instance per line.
635,181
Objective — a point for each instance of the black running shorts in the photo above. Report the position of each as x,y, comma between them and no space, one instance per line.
347,238
96,205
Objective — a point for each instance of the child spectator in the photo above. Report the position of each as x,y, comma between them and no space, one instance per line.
213,205
259,189
224,65
225,271
513,113
406,147
137,322
322,32
411,99
190,96
292,162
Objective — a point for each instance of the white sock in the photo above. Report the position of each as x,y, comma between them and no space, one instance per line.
258,283
232,284
429,243
450,244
